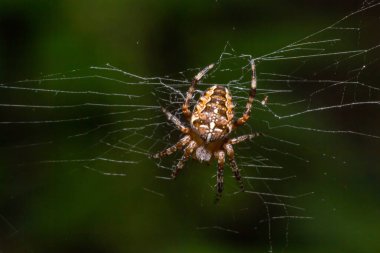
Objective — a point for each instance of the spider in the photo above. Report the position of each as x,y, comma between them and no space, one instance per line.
211,122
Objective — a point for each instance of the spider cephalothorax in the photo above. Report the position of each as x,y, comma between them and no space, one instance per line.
211,122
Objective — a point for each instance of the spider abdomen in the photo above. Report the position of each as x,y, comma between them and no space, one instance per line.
213,114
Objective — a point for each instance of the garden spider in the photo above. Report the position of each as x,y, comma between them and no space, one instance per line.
211,122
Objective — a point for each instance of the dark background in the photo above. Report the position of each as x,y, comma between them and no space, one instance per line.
63,208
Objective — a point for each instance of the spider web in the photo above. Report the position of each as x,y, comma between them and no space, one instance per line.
321,90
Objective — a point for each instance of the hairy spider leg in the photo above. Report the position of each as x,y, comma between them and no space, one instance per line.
220,155
187,153
176,121
185,107
178,146
231,155
242,138
252,95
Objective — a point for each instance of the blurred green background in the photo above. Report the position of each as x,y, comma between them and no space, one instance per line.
63,208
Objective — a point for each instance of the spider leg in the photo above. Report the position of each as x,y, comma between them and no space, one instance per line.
244,138
187,153
231,155
179,145
251,97
185,107
176,121
220,155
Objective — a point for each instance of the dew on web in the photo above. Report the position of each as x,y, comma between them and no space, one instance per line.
302,88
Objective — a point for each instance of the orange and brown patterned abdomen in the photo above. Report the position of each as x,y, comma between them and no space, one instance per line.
213,114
